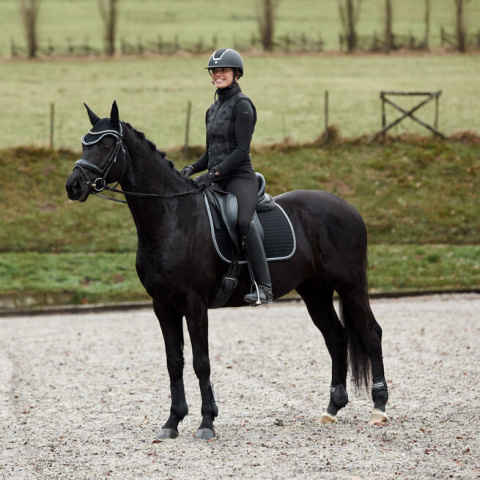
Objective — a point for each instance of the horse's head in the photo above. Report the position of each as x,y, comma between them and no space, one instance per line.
103,159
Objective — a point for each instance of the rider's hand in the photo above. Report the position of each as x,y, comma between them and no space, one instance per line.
205,180
187,171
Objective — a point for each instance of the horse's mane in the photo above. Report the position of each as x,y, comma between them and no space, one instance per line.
160,153
143,137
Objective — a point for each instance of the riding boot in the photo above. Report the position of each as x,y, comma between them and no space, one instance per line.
258,261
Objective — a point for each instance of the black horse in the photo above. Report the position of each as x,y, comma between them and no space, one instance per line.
180,269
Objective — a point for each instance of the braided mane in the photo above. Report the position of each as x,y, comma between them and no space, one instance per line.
153,147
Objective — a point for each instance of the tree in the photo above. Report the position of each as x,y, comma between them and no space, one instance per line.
109,12
266,13
388,26
29,13
427,23
349,15
460,26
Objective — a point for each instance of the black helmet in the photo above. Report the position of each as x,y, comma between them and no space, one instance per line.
227,58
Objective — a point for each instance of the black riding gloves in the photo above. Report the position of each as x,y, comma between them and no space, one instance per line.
205,180
187,171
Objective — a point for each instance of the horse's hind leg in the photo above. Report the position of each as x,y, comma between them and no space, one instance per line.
318,297
365,348
172,329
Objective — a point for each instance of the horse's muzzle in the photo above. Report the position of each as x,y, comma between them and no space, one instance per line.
77,188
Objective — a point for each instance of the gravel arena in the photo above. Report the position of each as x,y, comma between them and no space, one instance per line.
83,395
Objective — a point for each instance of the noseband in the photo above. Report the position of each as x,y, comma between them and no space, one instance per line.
100,183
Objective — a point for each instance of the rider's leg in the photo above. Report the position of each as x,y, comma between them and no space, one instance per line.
258,261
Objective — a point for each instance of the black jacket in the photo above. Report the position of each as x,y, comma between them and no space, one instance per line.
230,124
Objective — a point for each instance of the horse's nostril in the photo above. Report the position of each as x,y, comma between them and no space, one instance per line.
74,189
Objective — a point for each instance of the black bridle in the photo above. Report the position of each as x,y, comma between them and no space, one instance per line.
100,183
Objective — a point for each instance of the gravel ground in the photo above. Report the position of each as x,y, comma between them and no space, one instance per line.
83,396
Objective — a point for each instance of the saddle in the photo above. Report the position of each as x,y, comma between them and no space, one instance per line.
226,205
270,220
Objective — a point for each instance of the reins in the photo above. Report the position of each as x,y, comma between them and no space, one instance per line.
139,194
100,184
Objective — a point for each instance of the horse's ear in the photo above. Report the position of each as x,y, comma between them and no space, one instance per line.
114,116
93,118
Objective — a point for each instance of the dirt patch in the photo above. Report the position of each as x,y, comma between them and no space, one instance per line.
82,396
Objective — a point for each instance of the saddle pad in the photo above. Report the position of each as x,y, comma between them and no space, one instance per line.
279,237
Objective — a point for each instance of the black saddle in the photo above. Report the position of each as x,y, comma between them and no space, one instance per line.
271,221
226,205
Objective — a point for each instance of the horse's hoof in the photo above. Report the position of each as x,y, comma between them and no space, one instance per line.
378,417
327,419
167,433
204,434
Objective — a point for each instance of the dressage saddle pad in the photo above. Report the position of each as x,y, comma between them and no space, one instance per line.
279,237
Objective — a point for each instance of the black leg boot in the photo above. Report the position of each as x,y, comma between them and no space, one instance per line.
258,261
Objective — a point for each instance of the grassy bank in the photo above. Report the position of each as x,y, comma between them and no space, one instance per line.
421,191
111,277
418,198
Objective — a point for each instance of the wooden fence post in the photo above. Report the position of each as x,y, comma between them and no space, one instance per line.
384,116
187,127
325,135
52,124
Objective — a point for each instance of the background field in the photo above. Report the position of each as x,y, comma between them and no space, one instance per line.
288,91
191,20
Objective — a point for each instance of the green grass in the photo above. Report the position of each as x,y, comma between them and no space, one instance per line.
418,197
191,20
110,277
415,192
153,93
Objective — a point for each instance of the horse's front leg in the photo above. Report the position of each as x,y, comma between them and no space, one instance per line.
172,329
197,322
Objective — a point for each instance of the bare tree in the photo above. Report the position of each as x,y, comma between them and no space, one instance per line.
388,26
427,24
349,15
29,12
266,13
109,12
460,25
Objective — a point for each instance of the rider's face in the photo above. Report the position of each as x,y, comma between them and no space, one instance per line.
222,77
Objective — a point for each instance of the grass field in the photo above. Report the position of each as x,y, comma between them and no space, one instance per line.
393,268
194,19
419,200
408,193
288,91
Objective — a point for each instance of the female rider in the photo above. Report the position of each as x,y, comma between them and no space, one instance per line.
230,123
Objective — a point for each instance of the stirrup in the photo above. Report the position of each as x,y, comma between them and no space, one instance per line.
262,294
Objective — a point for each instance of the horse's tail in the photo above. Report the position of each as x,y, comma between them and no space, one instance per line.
358,357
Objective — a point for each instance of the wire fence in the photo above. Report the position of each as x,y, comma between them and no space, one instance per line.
377,43
139,46
296,42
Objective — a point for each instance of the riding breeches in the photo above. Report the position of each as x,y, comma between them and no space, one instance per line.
245,187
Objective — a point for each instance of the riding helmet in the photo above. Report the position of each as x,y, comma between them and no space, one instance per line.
226,58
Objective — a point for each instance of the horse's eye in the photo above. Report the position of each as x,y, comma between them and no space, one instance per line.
108,143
